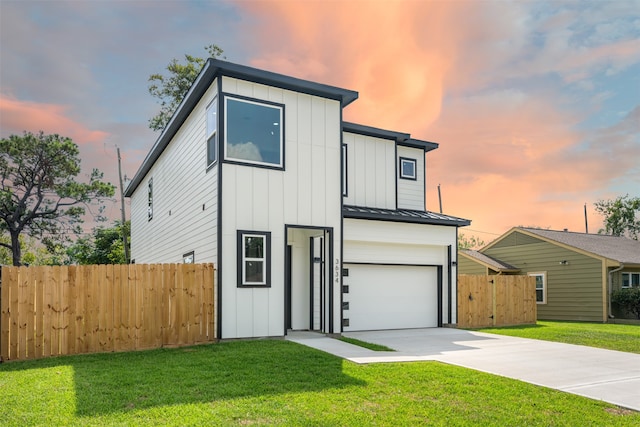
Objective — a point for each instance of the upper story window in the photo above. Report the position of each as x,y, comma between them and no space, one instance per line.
408,168
212,132
630,280
188,258
344,170
254,132
150,200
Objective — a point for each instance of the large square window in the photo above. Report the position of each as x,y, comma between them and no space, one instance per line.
253,132
254,258
408,168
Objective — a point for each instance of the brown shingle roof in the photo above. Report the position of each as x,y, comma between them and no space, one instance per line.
493,263
619,249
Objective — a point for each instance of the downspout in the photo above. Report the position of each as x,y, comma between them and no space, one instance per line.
611,286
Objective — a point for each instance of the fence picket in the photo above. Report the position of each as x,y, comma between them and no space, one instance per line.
50,311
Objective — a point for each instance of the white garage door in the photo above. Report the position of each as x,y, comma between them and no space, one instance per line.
390,297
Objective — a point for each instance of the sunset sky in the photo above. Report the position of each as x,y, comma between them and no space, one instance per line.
535,104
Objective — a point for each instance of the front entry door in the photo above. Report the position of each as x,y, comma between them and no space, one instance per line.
317,276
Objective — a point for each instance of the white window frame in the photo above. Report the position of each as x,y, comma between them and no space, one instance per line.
279,107
542,274
629,275
265,259
212,132
414,162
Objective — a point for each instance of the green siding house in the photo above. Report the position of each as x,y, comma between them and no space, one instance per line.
575,272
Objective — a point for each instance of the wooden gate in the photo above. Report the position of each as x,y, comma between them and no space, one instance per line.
496,300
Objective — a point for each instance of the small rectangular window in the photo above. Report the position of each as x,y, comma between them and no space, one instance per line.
253,132
344,170
150,200
254,258
212,132
541,287
407,168
188,258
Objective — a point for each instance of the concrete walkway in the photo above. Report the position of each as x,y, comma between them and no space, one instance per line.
611,376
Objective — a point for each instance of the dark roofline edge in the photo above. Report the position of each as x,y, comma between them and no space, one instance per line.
212,69
409,219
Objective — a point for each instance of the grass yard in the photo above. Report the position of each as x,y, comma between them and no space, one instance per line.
275,382
602,335
365,344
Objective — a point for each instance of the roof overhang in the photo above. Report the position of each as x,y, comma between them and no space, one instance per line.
400,138
214,68
403,215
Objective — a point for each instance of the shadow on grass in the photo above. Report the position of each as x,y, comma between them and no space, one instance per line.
116,382
514,327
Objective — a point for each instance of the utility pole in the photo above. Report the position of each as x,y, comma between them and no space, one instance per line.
586,224
124,219
440,198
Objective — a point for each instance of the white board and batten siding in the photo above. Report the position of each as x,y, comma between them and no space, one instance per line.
411,193
184,198
306,193
371,168
406,257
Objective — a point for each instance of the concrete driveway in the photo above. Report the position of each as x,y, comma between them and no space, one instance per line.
607,375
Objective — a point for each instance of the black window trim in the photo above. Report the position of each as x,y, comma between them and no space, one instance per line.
215,134
240,258
222,137
415,168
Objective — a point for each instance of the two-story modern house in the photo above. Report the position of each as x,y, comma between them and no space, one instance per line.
313,223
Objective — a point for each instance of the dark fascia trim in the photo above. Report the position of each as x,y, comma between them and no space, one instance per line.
400,138
374,132
416,143
390,217
213,69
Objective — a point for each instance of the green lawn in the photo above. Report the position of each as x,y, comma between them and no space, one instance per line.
602,335
365,344
275,382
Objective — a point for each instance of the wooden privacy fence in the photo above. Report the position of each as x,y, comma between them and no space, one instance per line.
496,300
52,311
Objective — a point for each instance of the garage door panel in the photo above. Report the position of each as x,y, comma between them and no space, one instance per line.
390,297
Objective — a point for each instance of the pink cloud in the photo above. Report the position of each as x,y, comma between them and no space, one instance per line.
17,116
438,70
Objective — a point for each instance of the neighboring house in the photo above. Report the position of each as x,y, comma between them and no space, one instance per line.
575,272
313,223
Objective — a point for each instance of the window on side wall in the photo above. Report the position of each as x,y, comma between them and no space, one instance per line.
344,170
188,258
253,132
541,287
150,200
212,132
408,168
254,258
630,280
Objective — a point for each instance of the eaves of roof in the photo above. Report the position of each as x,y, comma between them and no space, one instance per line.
399,137
403,215
214,68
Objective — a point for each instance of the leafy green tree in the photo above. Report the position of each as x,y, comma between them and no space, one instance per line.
621,216
105,246
39,195
170,89
471,242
